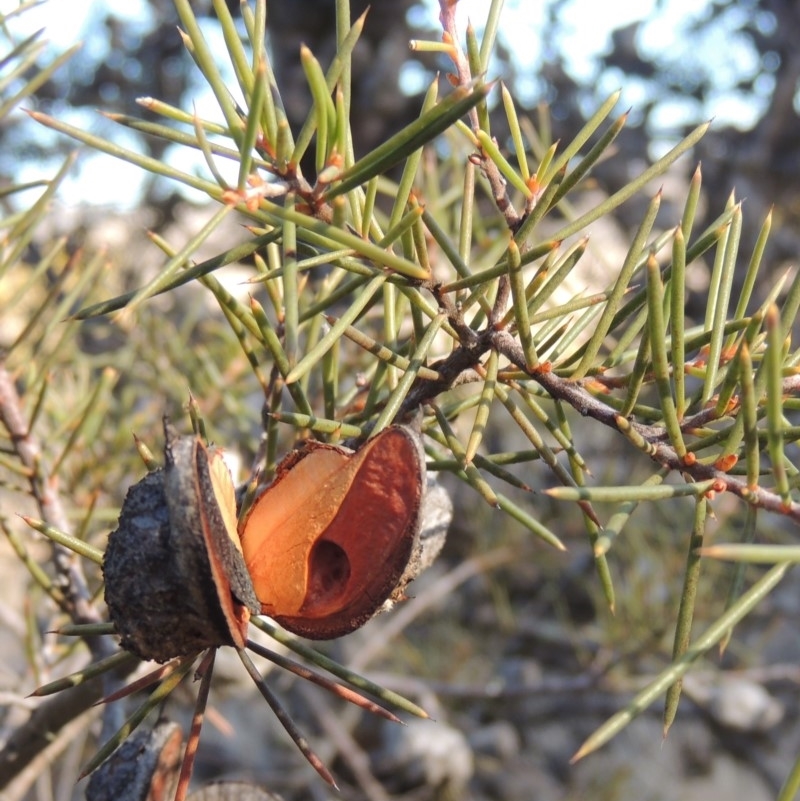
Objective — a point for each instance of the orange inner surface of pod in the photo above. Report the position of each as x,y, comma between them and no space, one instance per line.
327,534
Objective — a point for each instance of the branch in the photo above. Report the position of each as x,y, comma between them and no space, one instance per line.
49,718
447,16
28,741
70,578
659,450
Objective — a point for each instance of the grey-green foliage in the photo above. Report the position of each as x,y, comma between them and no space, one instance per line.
422,278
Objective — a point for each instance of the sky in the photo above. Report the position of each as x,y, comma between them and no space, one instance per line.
587,23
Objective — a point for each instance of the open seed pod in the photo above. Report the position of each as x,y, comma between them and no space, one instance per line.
175,580
337,533
322,549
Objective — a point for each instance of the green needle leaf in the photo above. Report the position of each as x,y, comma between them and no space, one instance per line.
713,634
683,630
418,133
774,359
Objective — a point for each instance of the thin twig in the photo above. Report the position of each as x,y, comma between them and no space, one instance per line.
69,572
447,17
20,781
661,452
27,742
465,358
31,738
339,736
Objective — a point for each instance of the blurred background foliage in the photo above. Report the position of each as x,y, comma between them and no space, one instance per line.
543,616
679,64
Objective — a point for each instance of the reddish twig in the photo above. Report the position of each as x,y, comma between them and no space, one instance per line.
459,367
464,77
660,451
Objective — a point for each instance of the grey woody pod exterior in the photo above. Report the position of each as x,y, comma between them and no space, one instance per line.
174,581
